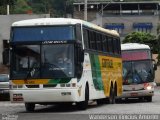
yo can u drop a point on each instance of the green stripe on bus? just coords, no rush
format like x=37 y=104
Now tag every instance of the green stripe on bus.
x=96 y=72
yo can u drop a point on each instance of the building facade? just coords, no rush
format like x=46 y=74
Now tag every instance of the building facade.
x=123 y=16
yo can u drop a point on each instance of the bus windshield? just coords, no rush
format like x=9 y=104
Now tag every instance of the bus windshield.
x=42 y=61
x=43 y=33
x=137 y=72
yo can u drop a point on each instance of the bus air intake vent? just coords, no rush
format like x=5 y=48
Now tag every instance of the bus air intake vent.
x=32 y=86
x=47 y=86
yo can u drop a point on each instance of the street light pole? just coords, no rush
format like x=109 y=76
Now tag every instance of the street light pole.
x=85 y=10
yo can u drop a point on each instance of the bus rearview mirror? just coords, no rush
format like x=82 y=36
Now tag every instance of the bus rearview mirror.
x=154 y=65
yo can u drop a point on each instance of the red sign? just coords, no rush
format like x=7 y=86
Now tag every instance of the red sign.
x=135 y=55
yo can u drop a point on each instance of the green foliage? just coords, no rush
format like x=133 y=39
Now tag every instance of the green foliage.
x=62 y=7
x=56 y=8
x=21 y=7
x=144 y=38
x=158 y=32
x=3 y=6
x=40 y=6
x=139 y=37
x=6 y=2
x=158 y=58
x=3 y=10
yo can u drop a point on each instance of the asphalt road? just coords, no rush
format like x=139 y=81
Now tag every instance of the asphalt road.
x=131 y=108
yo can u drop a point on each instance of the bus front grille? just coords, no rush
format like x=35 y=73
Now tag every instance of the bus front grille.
x=47 y=86
x=32 y=86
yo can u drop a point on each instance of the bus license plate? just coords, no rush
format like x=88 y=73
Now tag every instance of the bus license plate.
x=134 y=94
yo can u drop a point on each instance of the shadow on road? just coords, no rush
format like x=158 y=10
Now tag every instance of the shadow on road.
x=131 y=100
x=68 y=107
x=57 y=108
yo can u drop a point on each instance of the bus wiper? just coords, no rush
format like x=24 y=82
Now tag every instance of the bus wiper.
x=31 y=71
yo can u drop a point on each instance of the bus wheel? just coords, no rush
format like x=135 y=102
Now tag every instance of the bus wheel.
x=118 y=100
x=100 y=101
x=83 y=105
x=140 y=98
x=29 y=107
x=148 y=98
x=112 y=96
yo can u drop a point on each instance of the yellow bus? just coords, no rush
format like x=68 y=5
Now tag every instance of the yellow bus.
x=90 y=67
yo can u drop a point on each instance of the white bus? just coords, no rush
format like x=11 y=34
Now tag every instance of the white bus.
x=39 y=76
x=138 y=71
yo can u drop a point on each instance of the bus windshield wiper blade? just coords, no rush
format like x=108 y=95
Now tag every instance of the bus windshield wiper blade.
x=31 y=71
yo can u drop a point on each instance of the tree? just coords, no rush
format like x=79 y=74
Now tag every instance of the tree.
x=41 y=6
x=139 y=37
x=144 y=38
x=62 y=7
x=21 y=7
x=158 y=39
x=3 y=6
x=56 y=8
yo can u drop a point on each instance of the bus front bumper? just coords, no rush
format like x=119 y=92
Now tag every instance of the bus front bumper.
x=134 y=94
x=42 y=95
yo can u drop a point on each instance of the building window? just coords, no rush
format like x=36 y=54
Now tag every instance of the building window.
x=115 y=26
x=143 y=27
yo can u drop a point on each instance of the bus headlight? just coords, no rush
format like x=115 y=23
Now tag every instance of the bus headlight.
x=149 y=87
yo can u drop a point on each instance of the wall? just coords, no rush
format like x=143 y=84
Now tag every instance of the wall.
x=5 y=23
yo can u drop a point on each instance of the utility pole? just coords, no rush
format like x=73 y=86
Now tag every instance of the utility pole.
x=8 y=10
x=101 y=12
x=85 y=10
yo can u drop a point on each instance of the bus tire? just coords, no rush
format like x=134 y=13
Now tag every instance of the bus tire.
x=100 y=101
x=118 y=100
x=29 y=107
x=112 y=96
x=84 y=104
x=140 y=98
x=148 y=98
x=111 y=99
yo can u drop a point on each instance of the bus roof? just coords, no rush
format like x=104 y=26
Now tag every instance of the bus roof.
x=61 y=21
x=133 y=46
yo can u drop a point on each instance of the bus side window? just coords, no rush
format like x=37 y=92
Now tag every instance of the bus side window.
x=110 y=45
x=92 y=41
x=85 y=38
x=115 y=45
x=119 y=46
x=99 y=41
x=107 y=43
x=104 y=43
